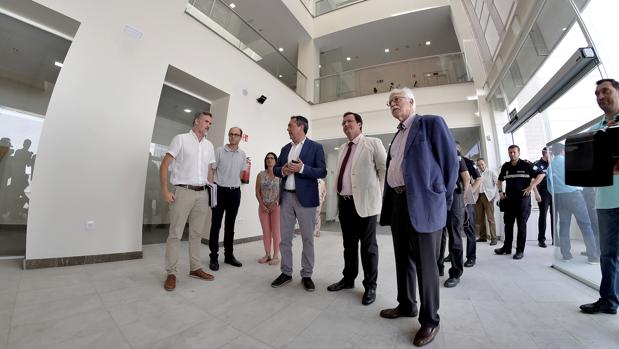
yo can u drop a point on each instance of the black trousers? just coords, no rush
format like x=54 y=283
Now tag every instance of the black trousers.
x=544 y=205
x=228 y=201
x=357 y=229
x=518 y=211
x=415 y=257
x=469 y=231
x=453 y=231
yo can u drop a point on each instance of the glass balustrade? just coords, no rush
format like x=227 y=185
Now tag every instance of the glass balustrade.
x=221 y=19
x=320 y=7
x=418 y=72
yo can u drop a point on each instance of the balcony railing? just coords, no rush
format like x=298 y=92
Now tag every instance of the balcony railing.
x=221 y=19
x=320 y=7
x=418 y=72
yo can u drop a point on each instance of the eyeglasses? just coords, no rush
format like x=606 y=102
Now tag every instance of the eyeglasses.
x=396 y=100
x=234 y=134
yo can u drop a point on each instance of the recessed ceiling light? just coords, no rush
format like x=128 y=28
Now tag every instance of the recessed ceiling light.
x=281 y=49
x=386 y=50
x=187 y=110
x=471 y=98
x=232 y=5
x=428 y=43
x=348 y=58
x=58 y=64
x=336 y=148
x=319 y=66
x=564 y=29
x=280 y=76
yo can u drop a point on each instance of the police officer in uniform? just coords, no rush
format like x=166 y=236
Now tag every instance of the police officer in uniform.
x=544 y=200
x=521 y=177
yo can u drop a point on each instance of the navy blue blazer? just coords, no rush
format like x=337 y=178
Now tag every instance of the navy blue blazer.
x=306 y=183
x=430 y=169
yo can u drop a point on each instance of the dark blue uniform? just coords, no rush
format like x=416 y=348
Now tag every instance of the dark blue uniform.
x=544 y=205
x=517 y=205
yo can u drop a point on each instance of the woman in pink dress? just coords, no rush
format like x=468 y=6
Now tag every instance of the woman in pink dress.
x=267 y=193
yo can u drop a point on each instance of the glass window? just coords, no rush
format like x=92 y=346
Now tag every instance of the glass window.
x=30 y=66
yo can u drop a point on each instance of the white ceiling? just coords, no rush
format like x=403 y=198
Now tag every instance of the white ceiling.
x=405 y=36
x=28 y=53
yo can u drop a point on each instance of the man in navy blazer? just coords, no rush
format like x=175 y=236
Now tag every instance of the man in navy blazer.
x=422 y=168
x=299 y=165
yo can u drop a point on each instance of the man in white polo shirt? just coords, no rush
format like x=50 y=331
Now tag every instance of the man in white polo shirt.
x=191 y=156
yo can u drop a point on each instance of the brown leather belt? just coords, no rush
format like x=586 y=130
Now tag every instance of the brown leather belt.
x=192 y=187
x=400 y=189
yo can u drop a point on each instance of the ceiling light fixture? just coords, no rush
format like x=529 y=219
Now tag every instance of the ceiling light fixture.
x=428 y=43
x=58 y=64
x=471 y=98
x=348 y=58
x=564 y=29
x=232 y=5
x=187 y=110
x=281 y=49
x=280 y=76
x=319 y=66
x=386 y=50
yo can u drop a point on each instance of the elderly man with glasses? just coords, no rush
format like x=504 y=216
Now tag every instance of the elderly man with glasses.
x=422 y=168
x=229 y=162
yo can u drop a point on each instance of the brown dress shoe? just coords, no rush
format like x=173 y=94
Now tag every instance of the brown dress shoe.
x=170 y=283
x=425 y=335
x=395 y=313
x=200 y=274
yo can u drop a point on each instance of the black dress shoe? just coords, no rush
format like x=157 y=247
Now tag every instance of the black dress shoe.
x=600 y=306
x=233 y=261
x=425 y=335
x=340 y=285
x=500 y=251
x=541 y=244
x=369 y=296
x=308 y=284
x=441 y=272
x=213 y=265
x=518 y=255
x=452 y=282
x=481 y=240
x=394 y=313
x=469 y=262
x=281 y=280
x=447 y=259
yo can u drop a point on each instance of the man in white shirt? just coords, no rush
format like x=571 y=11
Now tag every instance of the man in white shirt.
x=485 y=202
x=191 y=156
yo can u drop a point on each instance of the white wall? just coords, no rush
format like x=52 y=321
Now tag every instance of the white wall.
x=94 y=145
x=448 y=101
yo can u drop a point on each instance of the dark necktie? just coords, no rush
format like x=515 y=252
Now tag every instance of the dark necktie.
x=343 y=167
x=401 y=126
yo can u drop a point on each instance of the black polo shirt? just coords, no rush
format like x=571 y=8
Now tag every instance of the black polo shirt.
x=542 y=164
x=518 y=177
x=470 y=166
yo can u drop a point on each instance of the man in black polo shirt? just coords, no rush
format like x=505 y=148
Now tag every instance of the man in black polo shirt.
x=521 y=177
x=544 y=200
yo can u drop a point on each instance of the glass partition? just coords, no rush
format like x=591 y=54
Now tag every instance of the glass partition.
x=320 y=7
x=221 y=19
x=30 y=66
x=418 y=72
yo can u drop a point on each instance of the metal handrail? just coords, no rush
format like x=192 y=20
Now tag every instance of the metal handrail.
x=390 y=63
x=335 y=9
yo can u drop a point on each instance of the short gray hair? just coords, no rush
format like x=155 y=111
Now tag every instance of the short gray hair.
x=405 y=91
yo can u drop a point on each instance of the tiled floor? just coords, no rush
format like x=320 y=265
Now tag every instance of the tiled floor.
x=500 y=303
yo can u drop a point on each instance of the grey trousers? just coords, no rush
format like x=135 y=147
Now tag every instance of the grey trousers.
x=291 y=211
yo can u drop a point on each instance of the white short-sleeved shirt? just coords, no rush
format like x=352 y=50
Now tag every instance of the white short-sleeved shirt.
x=192 y=159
